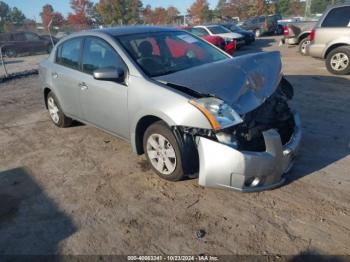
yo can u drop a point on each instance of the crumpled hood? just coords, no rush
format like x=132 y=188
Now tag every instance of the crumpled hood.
x=243 y=82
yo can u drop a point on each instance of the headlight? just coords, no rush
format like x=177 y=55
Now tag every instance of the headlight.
x=219 y=114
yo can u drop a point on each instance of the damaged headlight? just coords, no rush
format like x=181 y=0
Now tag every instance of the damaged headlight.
x=219 y=114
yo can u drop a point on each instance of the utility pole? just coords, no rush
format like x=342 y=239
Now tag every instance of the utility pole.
x=308 y=8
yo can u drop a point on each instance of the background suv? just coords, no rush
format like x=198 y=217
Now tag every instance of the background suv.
x=330 y=39
x=262 y=24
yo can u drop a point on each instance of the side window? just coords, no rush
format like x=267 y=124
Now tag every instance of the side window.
x=68 y=53
x=32 y=37
x=337 y=17
x=19 y=37
x=261 y=19
x=199 y=31
x=99 y=54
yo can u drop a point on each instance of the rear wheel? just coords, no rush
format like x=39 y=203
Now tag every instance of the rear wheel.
x=163 y=151
x=338 y=61
x=303 y=46
x=56 y=114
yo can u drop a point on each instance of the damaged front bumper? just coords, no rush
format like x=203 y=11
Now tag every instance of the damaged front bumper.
x=222 y=166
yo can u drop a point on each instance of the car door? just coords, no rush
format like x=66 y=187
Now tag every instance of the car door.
x=335 y=26
x=19 y=43
x=104 y=103
x=35 y=44
x=66 y=76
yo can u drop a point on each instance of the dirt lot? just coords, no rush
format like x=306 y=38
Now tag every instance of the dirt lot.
x=81 y=191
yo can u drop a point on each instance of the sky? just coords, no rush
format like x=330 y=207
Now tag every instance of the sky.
x=32 y=8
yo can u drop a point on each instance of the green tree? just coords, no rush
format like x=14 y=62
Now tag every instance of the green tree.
x=4 y=14
x=16 y=16
x=120 y=11
x=319 y=6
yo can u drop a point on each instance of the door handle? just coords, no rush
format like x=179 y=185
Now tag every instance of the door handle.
x=83 y=86
x=54 y=75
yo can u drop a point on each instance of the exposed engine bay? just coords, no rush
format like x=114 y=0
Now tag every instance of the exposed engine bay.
x=274 y=113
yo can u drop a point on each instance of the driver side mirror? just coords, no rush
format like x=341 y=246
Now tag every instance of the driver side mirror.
x=110 y=74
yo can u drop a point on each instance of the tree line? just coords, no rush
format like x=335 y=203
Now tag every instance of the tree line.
x=85 y=13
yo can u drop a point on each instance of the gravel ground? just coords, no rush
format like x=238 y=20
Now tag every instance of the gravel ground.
x=82 y=191
x=21 y=64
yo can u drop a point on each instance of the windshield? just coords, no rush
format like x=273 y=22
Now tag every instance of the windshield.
x=218 y=30
x=169 y=52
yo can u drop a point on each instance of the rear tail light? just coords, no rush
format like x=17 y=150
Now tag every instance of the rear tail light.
x=286 y=31
x=312 y=35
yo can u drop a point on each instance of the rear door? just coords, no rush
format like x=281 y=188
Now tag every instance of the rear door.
x=335 y=25
x=66 y=76
x=104 y=103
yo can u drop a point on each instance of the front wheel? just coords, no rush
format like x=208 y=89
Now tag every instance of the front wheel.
x=338 y=61
x=303 y=46
x=163 y=152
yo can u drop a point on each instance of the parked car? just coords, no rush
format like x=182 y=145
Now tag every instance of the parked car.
x=218 y=30
x=228 y=47
x=298 y=33
x=330 y=39
x=262 y=25
x=48 y=37
x=23 y=42
x=189 y=111
x=249 y=36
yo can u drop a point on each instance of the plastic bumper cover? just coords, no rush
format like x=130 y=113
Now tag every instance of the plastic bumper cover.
x=222 y=166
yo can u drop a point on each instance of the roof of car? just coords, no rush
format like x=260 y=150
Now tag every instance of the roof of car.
x=126 y=30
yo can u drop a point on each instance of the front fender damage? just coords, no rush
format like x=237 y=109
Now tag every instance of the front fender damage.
x=253 y=155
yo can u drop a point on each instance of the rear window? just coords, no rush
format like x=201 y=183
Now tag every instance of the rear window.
x=68 y=53
x=337 y=17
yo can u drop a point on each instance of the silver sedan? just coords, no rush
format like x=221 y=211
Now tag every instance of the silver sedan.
x=185 y=104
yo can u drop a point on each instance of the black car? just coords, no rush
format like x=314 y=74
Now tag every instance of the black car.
x=16 y=43
x=249 y=36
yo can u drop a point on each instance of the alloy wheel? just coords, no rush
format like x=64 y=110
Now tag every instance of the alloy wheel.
x=53 y=110
x=339 y=61
x=161 y=154
x=304 y=46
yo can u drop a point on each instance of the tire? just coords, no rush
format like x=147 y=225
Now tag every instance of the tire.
x=303 y=46
x=257 y=33
x=161 y=146
x=340 y=55
x=10 y=52
x=55 y=111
